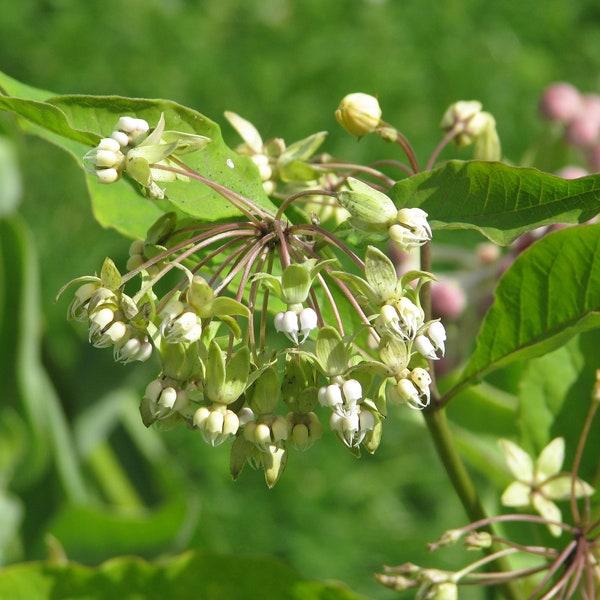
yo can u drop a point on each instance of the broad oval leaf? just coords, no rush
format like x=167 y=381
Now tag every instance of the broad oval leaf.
x=500 y=201
x=549 y=294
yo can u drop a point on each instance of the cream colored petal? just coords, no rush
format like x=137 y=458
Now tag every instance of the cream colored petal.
x=550 y=460
x=549 y=511
x=516 y=494
x=559 y=488
x=518 y=461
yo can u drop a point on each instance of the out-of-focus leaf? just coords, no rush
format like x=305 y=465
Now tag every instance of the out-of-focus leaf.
x=10 y=178
x=191 y=575
x=501 y=202
x=549 y=294
x=37 y=400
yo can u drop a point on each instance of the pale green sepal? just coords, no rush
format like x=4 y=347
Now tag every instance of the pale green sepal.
x=75 y=282
x=236 y=377
x=146 y=412
x=394 y=353
x=373 y=437
x=246 y=130
x=215 y=372
x=271 y=282
x=381 y=274
x=516 y=494
x=274 y=463
x=223 y=305
x=241 y=449
x=185 y=142
x=180 y=361
x=109 y=275
x=232 y=325
x=151 y=154
x=550 y=460
x=264 y=394
x=331 y=352
x=303 y=149
x=363 y=292
x=371 y=210
x=295 y=284
x=518 y=461
x=296 y=391
x=138 y=169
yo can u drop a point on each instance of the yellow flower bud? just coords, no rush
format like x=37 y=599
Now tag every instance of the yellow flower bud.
x=359 y=114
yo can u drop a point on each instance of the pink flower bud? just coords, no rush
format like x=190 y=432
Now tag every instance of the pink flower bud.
x=560 y=102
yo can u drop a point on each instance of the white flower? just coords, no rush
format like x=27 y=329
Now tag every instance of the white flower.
x=352 y=426
x=292 y=322
x=412 y=229
x=217 y=424
x=537 y=485
x=437 y=334
x=179 y=323
x=424 y=347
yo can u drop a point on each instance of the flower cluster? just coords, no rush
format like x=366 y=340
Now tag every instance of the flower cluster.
x=275 y=319
x=575 y=117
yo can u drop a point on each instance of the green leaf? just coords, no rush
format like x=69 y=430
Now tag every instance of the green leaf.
x=77 y=122
x=190 y=575
x=550 y=293
x=554 y=398
x=501 y=202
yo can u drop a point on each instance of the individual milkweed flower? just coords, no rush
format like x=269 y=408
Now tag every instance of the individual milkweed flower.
x=216 y=423
x=78 y=309
x=133 y=347
x=292 y=323
x=162 y=400
x=412 y=229
x=436 y=332
x=359 y=114
x=179 y=323
x=424 y=347
x=353 y=425
x=539 y=484
x=414 y=388
x=106 y=160
x=341 y=397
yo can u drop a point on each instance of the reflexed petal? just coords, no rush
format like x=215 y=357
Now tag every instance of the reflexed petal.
x=518 y=461
x=549 y=511
x=550 y=460
x=516 y=494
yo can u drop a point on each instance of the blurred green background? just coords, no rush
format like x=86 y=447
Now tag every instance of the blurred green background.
x=283 y=65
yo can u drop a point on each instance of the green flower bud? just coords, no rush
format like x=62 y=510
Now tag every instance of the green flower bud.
x=359 y=114
x=370 y=209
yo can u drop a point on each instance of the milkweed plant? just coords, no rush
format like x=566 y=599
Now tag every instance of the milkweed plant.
x=285 y=294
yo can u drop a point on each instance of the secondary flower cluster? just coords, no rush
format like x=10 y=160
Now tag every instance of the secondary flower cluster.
x=290 y=321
